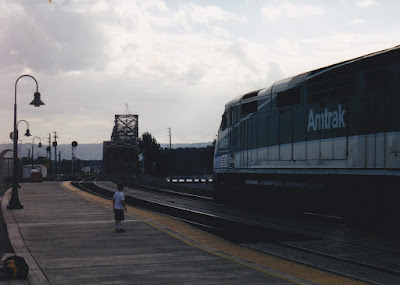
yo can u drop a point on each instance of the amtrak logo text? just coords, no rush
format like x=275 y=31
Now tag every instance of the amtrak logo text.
x=326 y=120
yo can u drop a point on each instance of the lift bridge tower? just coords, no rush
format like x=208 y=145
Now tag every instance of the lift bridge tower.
x=120 y=154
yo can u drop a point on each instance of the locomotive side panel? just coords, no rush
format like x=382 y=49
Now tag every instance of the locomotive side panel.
x=273 y=136
x=313 y=137
x=337 y=127
x=393 y=151
x=340 y=117
x=393 y=127
x=285 y=135
x=299 y=134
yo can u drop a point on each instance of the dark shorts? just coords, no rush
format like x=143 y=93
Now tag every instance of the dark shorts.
x=119 y=215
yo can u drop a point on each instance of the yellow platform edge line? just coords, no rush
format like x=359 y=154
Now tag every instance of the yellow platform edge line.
x=274 y=266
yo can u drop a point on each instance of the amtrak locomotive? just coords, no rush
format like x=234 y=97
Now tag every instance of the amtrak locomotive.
x=333 y=130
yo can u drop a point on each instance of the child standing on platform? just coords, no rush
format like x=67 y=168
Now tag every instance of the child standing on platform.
x=119 y=207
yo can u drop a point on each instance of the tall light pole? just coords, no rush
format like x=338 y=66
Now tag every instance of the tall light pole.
x=169 y=138
x=14 y=201
x=40 y=145
x=74 y=145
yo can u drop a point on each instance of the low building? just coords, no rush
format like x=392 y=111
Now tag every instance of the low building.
x=27 y=170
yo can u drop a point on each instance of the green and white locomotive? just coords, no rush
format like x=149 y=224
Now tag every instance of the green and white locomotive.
x=336 y=129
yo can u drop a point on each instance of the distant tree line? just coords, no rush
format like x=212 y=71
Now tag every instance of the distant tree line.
x=174 y=162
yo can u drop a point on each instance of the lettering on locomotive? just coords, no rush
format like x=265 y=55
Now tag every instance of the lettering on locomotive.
x=326 y=120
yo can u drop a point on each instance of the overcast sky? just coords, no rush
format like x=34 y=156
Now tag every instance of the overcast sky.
x=174 y=63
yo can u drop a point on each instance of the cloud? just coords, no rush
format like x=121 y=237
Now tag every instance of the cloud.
x=208 y=14
x=333 y=48
x=59 y=40
x=357 y=22
x=291 y=10
x=366 y=3
x=191 y=16
x=221 y=32
x=154 y=4
x=89 y=8
x=118 y=37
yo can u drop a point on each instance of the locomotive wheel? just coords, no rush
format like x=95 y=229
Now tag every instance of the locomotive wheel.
x=219 y=186
x=234 y=190
x=363 y=202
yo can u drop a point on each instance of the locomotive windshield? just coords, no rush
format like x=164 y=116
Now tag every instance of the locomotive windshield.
x=223 y=122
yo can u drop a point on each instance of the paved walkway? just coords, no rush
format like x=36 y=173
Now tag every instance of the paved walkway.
x=67 y=237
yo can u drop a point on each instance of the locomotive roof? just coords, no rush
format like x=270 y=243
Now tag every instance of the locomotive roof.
x=291 y=82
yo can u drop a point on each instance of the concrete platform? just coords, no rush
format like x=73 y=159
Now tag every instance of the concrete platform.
x=68 y=236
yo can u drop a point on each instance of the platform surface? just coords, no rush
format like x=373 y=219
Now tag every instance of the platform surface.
x=68 y=236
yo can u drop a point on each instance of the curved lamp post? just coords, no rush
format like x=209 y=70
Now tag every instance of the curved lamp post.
x=40 y=145
x=28 y=132
x=14 y=201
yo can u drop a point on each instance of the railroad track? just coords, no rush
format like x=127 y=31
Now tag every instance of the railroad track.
x=229 y=227
x=252 y=232
x=177 y=190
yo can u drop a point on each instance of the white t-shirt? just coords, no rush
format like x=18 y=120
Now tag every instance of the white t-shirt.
x=118 y=198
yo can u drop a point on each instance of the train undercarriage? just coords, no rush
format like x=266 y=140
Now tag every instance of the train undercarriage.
x=358 y=199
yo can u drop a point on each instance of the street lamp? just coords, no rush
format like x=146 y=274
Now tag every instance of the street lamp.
x=27 y=133
x=14 y=201
x=74 y=145
x=40 y=145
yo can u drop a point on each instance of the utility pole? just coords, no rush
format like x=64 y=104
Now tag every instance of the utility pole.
x=48 y=151
x=55 y=151
x=169 y=160
x=59 y=161
x=169 y=129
